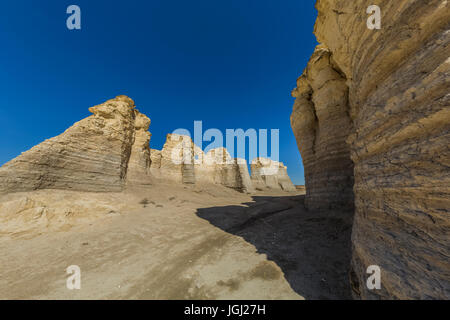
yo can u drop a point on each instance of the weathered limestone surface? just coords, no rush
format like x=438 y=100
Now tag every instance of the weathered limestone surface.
x=398 y=104
x=267 y=173
x=229 y=172
x=322 y=124
x=94 y=154
x=184 y=162
x=140 y=157
x=155 y=163
x=244 y=177
x=177 y=159
x=109 y=151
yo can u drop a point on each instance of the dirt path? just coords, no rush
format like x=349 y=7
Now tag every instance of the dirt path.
x=195 y=246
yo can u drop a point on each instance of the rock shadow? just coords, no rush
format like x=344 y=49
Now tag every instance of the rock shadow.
x=313 y=248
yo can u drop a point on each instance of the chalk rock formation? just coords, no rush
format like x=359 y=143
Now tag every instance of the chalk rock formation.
x=98 y=154
x=322 y=124
x=184 y=162
x=392 y=84
x=155 y=163
x=243 y=177
x=267 y=173
x=229 y=172
x=140 y=158
x=177 y=159
x=109 y=151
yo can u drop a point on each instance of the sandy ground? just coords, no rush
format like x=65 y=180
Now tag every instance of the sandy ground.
x=181 y=243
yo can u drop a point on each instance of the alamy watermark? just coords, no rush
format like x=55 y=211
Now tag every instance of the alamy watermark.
x=74 y=280
x=374 y=281
x=73 y=22
x=374 y=20
x=236 y=142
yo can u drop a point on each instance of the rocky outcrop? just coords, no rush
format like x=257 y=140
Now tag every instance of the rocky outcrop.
x=109 y=151
x=322 y=124
x=97 y=154
x=384 y=92
x=138 y=172
x=232 y=173
x=155 y=163
x=267 y=173
x=182 y=161
x=176 y=160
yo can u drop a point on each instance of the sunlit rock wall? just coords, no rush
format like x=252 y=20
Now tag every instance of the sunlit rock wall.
x=399 y=106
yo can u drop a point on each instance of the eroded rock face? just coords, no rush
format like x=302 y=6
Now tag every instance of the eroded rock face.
x=95 y=154
x=398 y=104
x=184 y=162
x=321 y=123
x=140 y=158
x=177 y=159
x=109 y=151
x=267 y=173
x=232 y=173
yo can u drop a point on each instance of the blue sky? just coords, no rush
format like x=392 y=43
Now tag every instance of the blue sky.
x=229 y=63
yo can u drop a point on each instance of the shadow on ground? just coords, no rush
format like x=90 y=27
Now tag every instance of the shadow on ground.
x=311 y=247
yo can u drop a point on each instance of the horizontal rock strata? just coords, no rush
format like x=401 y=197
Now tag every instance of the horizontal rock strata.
x=267 y=173
x=182 y=161
x=110 y=151
x=321 y=123
x=399 y=106
x=92 y=155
